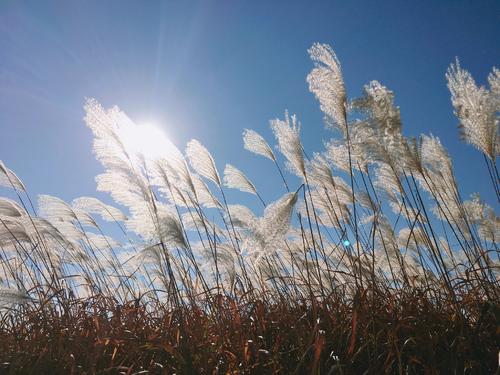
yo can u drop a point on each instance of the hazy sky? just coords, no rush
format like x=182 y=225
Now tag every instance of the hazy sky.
x=209 y=69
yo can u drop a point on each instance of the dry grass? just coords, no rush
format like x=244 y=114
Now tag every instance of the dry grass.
x=379 y=332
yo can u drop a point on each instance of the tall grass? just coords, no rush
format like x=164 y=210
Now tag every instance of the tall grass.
x=370 y=262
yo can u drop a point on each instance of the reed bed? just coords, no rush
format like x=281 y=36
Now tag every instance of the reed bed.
x=370 y=262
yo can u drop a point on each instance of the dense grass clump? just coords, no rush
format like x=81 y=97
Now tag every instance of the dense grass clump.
x=369 y=262
x=376 y=332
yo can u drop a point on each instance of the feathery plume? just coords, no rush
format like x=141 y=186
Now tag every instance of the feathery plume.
x=10 y=296
x=436 y=160
x=489 y=226
x=378 y=136
x=476 y=109
x=56 y=210
x=203 y=194
x=95 y=206
x=242 y=216
x=13 y=231
x=236 y=179
x=10 y=208
x=378 y=103
x=287 y=134
x=9 y=178
x=171 y=231
x=100 y=241
x=319 y=171
x=201 y=161
x=193 y=222
x=125 y=176
x=494 y=82
x=255 y=143
x=326 y=83
x=269 y=230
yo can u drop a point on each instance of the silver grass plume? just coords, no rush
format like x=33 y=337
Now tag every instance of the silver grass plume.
x=172 y=170
x=225 y=253
x=105 y=125
x=440 y=182
x=181 y=199
x=338 y=154
x=203 y=194
x=329 y=211
x=173 y=180
x=379 y=134
x=147 y=224
x=287 y=133
x=412 y=241
x=95 y=206
x=11 y=296
x=494 y=82
x=319 y=172
x=242 y=216
x=474 y=207
x=201 y=161
x=131 y=190
x=193 y=222
x=326 y=83
x=10 y=208
x=255 y=143
x=100 y=241
x=124 y=177
x=387 y=181
x=378 y=103
x=56 y=210
x=33 y=227
x=226 y=257
x=270 y=229
x=12 y=232
x=389 y=254
x=236 y=179
x=320 y=175
x=171 y=231
x=437 y=166
x=9 y=178
x=476 y=108
x=484 y=216
x=489 y=226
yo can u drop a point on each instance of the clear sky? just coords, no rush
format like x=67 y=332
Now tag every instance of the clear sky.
x=209 y=69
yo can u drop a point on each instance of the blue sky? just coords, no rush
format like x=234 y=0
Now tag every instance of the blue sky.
x=209 y=69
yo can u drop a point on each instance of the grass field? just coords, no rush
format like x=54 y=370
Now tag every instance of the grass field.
x=370 y=262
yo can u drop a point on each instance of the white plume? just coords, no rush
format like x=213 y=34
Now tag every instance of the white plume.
x=9 y=178
x=476 y=109
x=95 y=206
x=57 y=210
x=201 y=161
x=269 y=230
x=287 y=134
x=10 y=208
x=236 y=179
x=255 y=143
x=171 y=231
x=242 y=216
x=327 y=84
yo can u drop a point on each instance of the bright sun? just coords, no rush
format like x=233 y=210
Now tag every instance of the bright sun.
x=146 y=139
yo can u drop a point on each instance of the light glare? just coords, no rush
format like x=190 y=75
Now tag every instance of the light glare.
x=146 y=139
